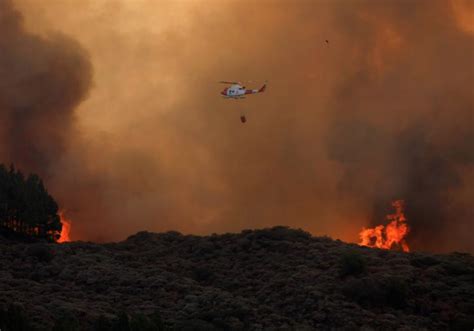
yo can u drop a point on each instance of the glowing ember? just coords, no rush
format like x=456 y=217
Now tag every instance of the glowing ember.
x=66 y=228
x=388 y=236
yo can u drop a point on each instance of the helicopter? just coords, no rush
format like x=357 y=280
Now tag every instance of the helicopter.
x=237 y=90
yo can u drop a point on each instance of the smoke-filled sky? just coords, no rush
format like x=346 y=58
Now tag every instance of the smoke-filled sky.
x=116 y=104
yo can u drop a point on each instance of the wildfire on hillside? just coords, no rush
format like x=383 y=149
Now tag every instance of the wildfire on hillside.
x=389 y=236
x=66 y=229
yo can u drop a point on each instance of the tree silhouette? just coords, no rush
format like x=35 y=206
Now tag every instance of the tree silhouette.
x=26 y=206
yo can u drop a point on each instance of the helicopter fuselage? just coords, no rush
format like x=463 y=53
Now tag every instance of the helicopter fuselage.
x=237 y=91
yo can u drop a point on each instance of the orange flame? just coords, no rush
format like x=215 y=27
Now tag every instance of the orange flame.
x=66 y=229
x=387 y=236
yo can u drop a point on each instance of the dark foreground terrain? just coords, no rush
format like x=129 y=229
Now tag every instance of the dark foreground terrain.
x=272 y=279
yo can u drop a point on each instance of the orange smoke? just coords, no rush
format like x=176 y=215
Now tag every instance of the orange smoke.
x=66 y=229
x=390 y=236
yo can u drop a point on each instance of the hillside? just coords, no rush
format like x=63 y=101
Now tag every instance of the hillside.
x=271 y=279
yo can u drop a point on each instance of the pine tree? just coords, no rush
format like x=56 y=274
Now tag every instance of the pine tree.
x=26 y=207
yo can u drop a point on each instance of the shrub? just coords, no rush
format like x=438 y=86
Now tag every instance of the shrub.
x=41 y=251
x=365 y=291
x=282 y=233
x=202 y=274
x=157 y=320
x=102 y=324
x=391 y=291
x=14 y=319
x=140 y=322
x=121 y=323
x=424 y=261
x=463 y=323
x=352 y=263
x=194 y=325
x=137 y=322
x=66 y=323
x=396 y=292
x=457 y=268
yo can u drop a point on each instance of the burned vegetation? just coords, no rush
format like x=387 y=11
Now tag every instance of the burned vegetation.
x=270 y=279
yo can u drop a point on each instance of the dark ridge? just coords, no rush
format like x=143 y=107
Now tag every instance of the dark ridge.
x=269 y=279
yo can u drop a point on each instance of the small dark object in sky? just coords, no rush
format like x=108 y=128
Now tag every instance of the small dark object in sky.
x=243 y=119
x=327 y=41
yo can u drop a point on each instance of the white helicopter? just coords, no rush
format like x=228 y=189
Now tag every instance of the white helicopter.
x=237 y=91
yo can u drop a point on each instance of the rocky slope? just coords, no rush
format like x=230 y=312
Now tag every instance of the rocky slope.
x=271 y=279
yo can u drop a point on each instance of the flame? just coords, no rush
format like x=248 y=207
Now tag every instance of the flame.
x=387 y=236
x=66 y=229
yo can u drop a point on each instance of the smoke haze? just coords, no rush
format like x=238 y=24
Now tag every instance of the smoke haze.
x=43 y=80
x=382 y=111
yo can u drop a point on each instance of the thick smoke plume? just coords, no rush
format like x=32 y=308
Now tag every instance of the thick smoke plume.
x=402 y=123
x=42 y=81
x=381 y=111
